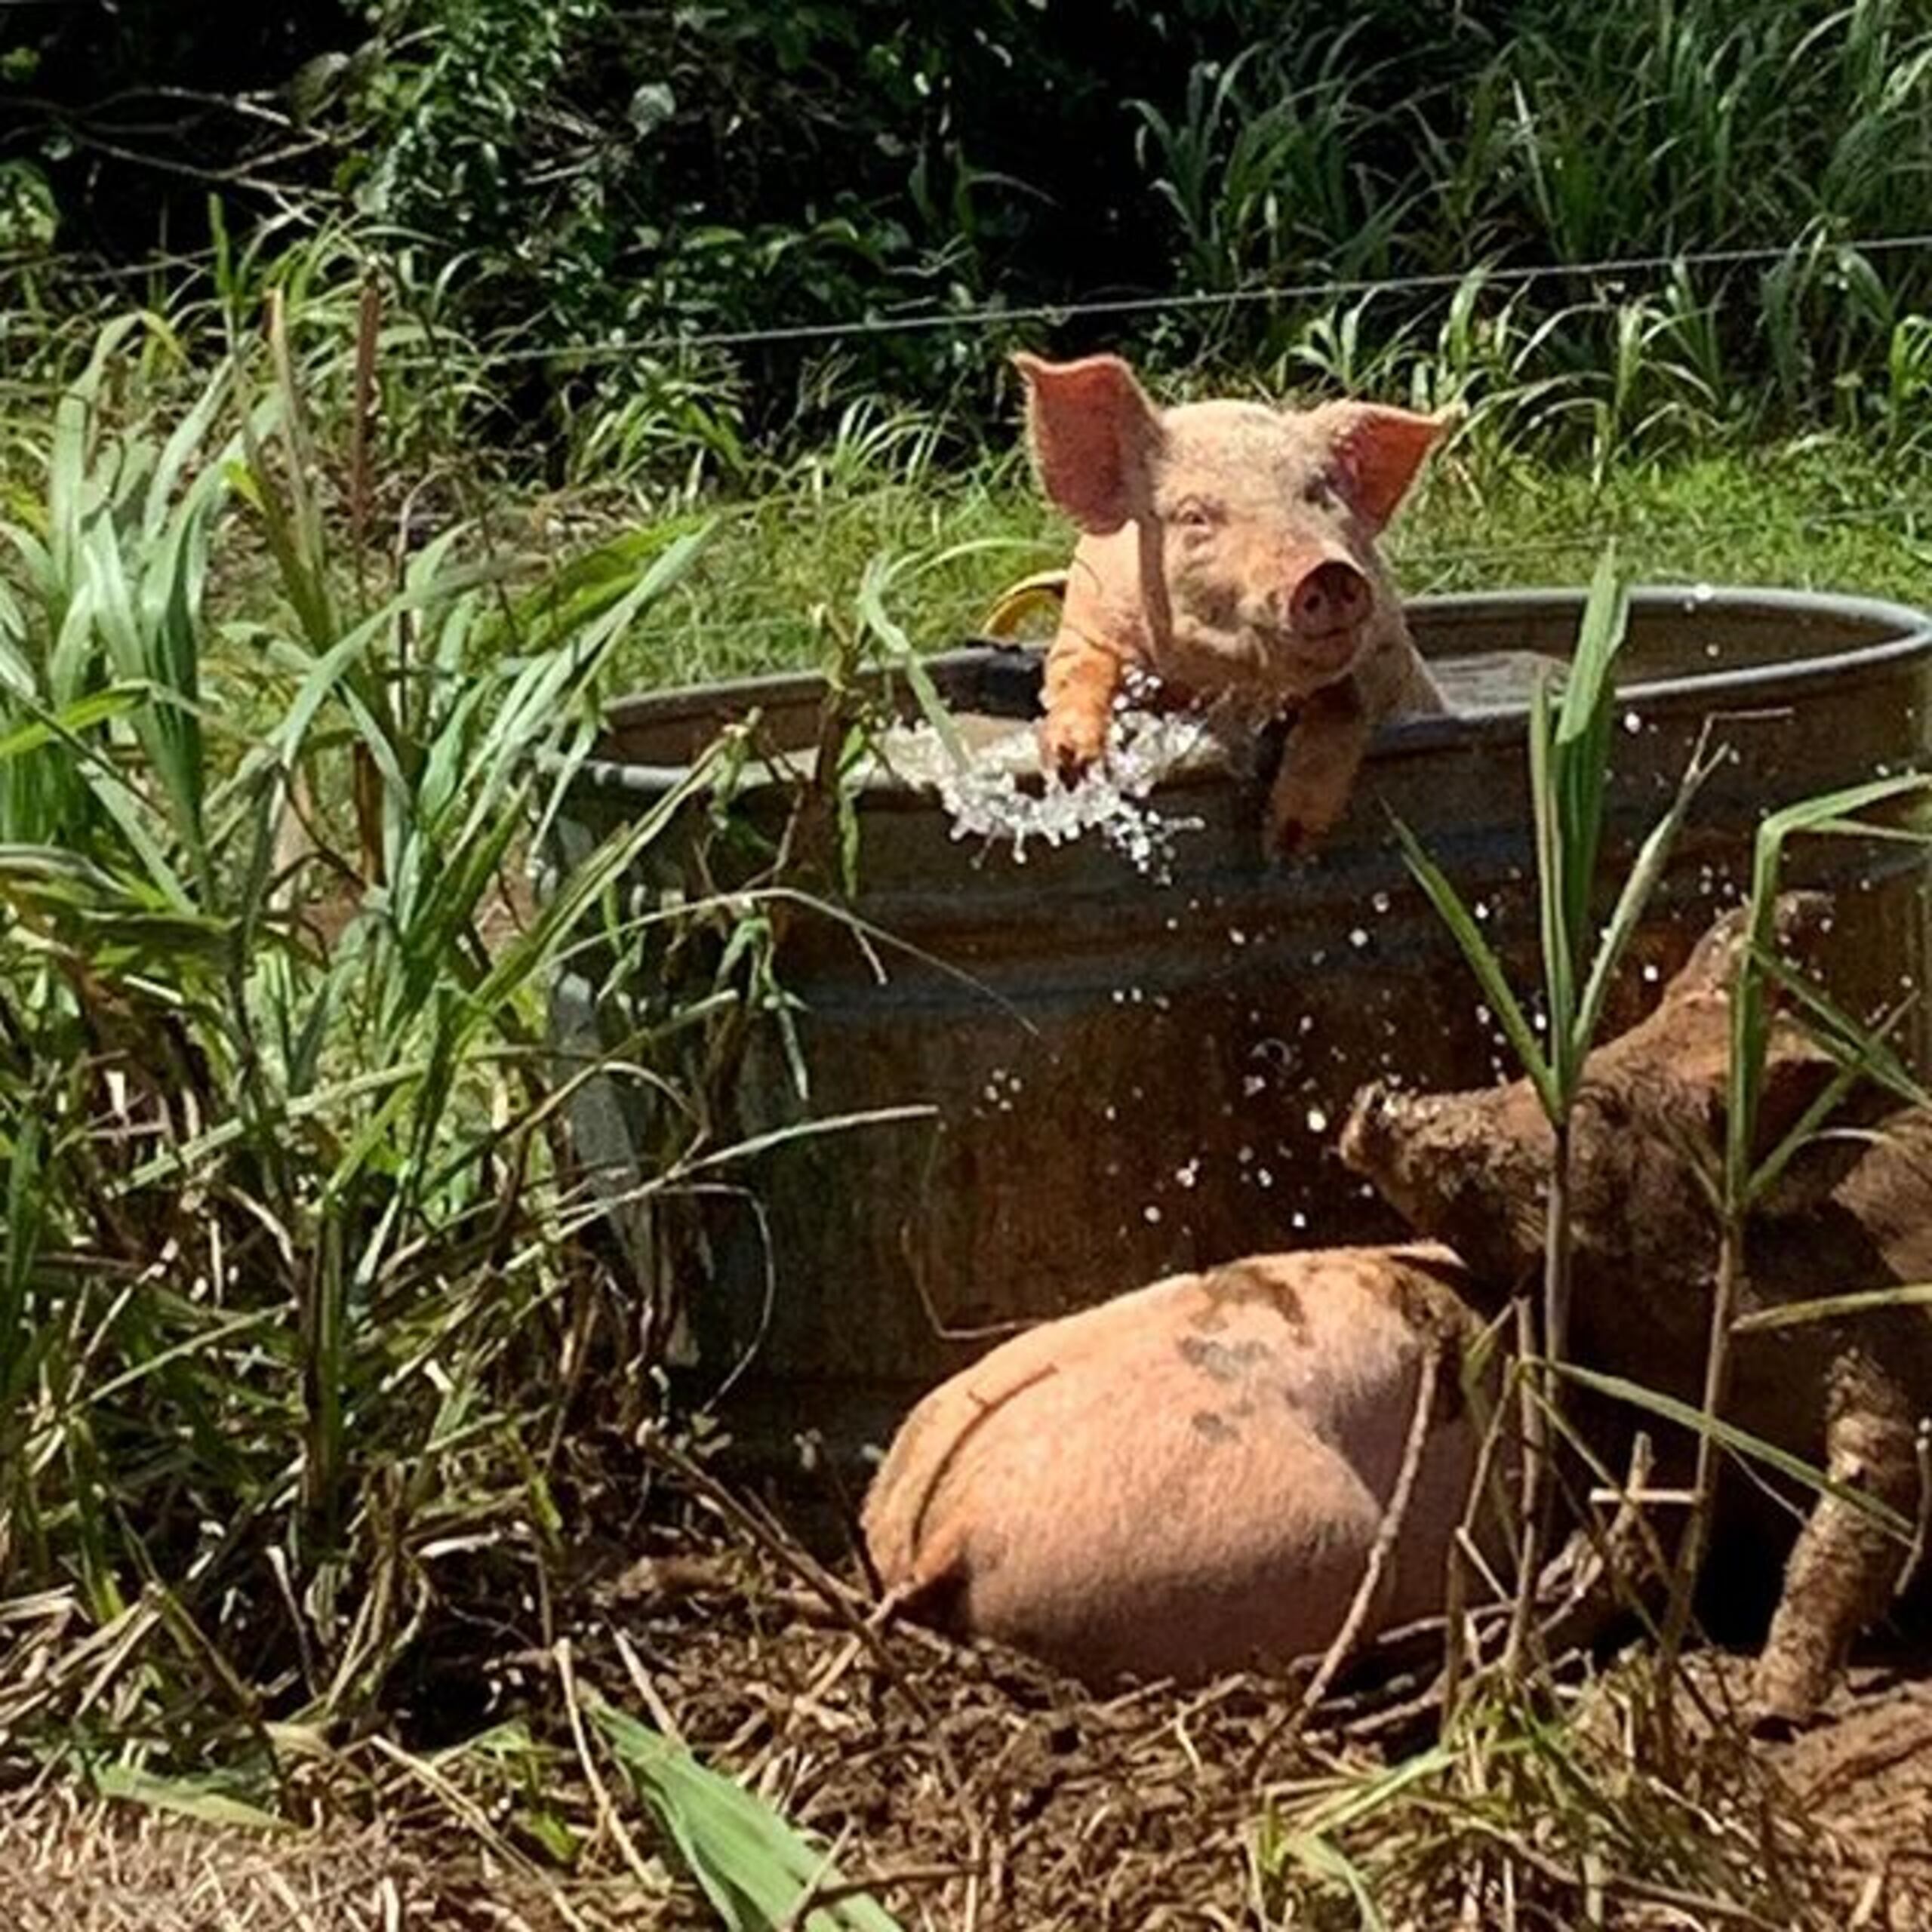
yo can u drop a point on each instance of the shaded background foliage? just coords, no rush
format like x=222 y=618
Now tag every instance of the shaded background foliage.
x=572 y=172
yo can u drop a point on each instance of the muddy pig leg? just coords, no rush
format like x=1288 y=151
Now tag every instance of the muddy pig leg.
x=1319 y=762
x=1845 y=1565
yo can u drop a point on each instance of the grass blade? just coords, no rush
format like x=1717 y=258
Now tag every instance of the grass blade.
x=1482 y=962
x=1739 y=1442
x=1833 y=1308
x=754 y=1868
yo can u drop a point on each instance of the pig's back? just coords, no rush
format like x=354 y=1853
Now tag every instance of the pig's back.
x=1190 y=1477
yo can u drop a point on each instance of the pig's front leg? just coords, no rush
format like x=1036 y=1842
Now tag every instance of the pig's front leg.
x=1082 y=680
x=1319 y=762
x=1845 y=1565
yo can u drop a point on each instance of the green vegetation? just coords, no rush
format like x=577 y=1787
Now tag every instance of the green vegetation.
x=554 y=177
x=359 y=441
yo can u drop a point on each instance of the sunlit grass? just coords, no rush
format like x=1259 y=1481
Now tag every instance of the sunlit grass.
x=1824 y=516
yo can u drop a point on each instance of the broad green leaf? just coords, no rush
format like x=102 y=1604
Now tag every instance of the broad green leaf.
x=202 y=1800
x=754 y=1868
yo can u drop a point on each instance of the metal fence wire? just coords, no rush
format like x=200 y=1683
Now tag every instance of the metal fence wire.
x=993 y=315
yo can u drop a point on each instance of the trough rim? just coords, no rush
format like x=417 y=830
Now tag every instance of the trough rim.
x=1909 y=636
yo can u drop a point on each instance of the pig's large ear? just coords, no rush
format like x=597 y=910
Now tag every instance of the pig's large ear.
x=1093 y=430
x=1376 y=452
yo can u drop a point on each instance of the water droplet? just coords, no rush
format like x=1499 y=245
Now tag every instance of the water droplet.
x=1357 y=938
x=1236 y=936
x=1298 y=1220
x=1318 y=1121
x=1380 y=902
x=1650 y=974
x=1188 y=1175
x=1150 y=1214
x=1633 y=723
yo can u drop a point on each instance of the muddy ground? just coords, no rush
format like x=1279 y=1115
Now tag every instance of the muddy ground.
x=972 y=1791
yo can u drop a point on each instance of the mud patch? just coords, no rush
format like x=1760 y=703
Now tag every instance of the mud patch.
x=1212 y=1428
x=970 y=1788
x=1222 y=1362
x=1866 y=1770
x=1237 y=1285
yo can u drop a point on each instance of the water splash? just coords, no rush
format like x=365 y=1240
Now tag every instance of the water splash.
x=996 y=792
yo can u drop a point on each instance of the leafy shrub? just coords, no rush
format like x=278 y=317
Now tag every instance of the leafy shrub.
x=675 y=228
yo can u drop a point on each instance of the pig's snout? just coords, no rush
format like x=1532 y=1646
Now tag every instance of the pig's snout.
x=1396 y=1140
x=1331 y=600
x=1369 y=1134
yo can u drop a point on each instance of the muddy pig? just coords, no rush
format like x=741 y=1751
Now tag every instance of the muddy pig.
x=1852 y=1212
x=1228 y=550
x=1189 y=1479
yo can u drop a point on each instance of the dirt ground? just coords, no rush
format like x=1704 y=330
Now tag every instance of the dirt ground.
x=972 y=1791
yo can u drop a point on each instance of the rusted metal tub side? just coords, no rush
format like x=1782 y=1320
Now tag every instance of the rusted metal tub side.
x=1131 y=1078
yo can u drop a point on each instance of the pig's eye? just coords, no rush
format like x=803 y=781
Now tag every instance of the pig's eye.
x=1192 y=513
x=1317 y=490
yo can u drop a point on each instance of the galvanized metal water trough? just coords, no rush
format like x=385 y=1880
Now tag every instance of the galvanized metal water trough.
x=1129 y=1078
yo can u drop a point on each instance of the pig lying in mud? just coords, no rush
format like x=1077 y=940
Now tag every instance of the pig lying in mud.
x=1229 y=552
x=1854 y=1212
x=1190 y=1479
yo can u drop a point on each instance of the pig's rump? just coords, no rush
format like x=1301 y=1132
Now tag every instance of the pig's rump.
x=1189 y=1479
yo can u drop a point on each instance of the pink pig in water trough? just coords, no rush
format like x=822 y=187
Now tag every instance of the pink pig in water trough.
x=1229 y=551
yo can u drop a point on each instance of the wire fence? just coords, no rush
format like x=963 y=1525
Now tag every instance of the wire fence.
x=994 y=315
x=1332 y=289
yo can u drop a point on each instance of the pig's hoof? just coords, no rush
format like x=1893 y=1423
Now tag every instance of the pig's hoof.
x=1785 y=1699
x=1290 y=840
x=1069 y=752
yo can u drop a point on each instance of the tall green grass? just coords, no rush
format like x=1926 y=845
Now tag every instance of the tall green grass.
x=291 y=1311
